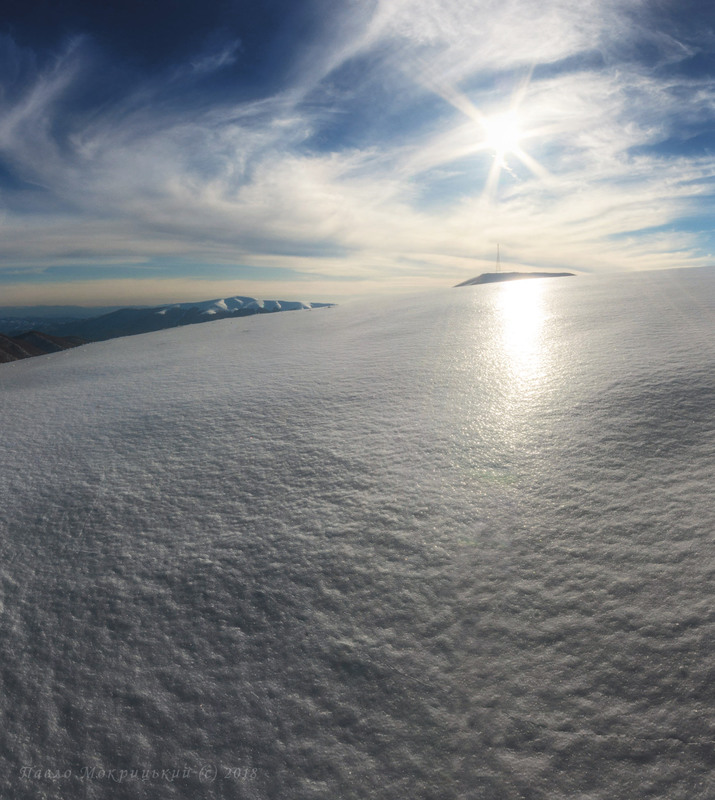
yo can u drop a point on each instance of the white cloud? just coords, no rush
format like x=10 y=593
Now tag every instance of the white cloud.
x=247 y=183
x=216 y=59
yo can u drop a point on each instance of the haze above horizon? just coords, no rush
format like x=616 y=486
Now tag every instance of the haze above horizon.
x=316 y=151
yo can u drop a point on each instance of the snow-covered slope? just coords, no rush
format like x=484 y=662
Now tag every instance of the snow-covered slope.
x=442 y=546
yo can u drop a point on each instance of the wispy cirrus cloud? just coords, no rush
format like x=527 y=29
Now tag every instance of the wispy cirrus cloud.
x=357 y=155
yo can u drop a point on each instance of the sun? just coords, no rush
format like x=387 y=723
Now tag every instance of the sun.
x=502 y=133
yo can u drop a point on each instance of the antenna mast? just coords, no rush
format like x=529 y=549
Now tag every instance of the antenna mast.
x=498 y=261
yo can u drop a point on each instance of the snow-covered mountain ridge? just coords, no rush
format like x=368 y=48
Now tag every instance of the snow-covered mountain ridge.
x=130 y=321
x=238 y=302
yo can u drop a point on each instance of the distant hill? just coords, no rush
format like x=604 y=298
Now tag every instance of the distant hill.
x=130 y=321
x=18 y=319
x=498 y=277
x=34 y=343
x=12 y=326
x=55 y=312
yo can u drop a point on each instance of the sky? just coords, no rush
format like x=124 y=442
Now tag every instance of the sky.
x=322 y=149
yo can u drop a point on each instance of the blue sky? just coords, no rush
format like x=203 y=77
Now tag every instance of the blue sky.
x=318 y=149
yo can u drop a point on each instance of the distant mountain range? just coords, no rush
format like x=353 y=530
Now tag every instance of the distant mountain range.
x=56 y=332
x=498 y=277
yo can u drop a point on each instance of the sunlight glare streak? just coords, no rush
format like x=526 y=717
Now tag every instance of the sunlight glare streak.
x=533 y=165
x=521 y=308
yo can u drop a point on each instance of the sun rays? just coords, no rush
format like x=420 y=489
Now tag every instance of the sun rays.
x=500 y=133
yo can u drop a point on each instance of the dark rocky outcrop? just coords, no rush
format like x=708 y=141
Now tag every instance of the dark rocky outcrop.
x=34 y=343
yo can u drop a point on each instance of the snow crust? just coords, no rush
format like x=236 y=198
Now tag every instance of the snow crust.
x=455 y=545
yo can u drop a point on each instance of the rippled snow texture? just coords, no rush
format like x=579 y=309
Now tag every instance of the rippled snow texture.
x=452 y=545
